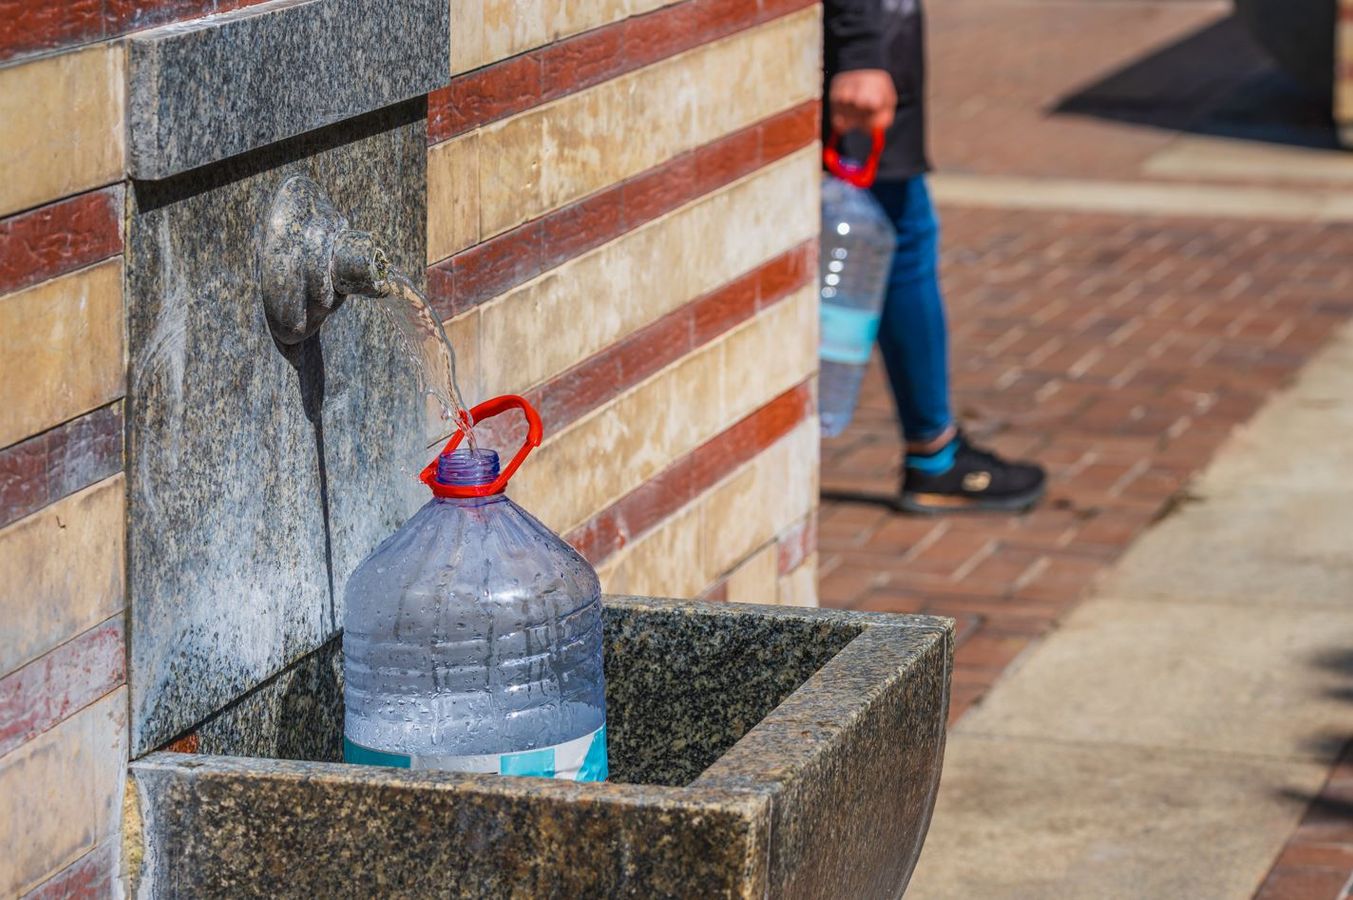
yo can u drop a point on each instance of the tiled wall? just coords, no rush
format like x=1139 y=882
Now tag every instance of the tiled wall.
x=622 y=224
x=63 y=704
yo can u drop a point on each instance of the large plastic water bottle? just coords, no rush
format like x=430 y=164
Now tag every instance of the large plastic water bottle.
x=856 y=251
x=472 y=636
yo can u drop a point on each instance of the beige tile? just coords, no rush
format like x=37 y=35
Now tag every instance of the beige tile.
x=762 y=499
x=568 y=17
x=453 y=196
x=664 y=563
x=799 y=588
x=610 y=132
x=61 y=126
x=586 y=143
x=734 y=523
x=509 y=171
x=472 y=45
x=755 y=580
x=468 y=50
x=62 y=571
x=513 y=26
x=463 y=333
x=60 y=350
x=689 y=551
x=601 y=457
x=60 y=793
x=1189 y=676
x=783 y=343
x=1032 y=820
x=537 y=330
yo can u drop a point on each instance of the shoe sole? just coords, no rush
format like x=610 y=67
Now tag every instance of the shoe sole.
x=939 y=504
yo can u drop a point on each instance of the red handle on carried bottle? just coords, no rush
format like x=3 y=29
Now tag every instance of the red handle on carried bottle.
x=861 y=175
x=487 y=410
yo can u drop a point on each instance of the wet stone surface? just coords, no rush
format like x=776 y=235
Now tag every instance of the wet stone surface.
x=257 y=481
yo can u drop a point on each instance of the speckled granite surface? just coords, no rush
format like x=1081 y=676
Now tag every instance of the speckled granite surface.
x=296 y=714
x=827 y=795
x=256 y=483
x=212 y=88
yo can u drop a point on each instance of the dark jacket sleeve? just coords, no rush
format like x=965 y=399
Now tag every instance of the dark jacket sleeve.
x=854 y=35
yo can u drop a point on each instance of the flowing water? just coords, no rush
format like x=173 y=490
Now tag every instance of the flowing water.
x=424 y=342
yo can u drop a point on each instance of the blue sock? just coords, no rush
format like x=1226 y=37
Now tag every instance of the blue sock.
x=937 y=463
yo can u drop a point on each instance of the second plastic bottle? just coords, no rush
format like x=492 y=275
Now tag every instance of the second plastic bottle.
x=472 y=636
x=856 y=252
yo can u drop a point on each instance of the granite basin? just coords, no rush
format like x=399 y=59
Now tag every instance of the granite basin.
x=755 y=751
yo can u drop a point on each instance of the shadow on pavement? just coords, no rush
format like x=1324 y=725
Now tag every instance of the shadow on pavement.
x=1217 y=82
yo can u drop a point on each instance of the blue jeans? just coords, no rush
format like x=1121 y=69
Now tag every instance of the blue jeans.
x=913 y=334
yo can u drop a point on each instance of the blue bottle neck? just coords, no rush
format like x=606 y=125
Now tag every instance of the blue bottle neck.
x=467 y=468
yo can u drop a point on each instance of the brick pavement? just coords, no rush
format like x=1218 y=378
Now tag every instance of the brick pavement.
x=1118 y=351
x=1318 y=861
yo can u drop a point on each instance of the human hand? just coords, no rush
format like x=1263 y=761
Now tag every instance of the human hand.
x=862 y=99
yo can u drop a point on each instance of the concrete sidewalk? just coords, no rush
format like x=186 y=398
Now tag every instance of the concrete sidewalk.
x=1166 y=739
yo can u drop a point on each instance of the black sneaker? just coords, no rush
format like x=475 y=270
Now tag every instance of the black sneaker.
x=963 y=478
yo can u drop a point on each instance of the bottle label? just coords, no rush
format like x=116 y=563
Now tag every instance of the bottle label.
x=847 y=334
x=581 y=759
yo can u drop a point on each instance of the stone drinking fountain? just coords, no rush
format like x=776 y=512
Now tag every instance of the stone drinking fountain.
x=272 y=440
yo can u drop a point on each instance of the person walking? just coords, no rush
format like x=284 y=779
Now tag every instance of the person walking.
x=875 y=79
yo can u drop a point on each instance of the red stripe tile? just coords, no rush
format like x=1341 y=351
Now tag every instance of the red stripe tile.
x=788 y=272
x=493 y=267
x=485 y=95
x=91 y=877
x=667 y=32
x=784 y=133
x=717 y=593
x=59 y=238
x=692 y=475
x=737 y=301
x=727 y=159
x=34 y=26
x=27 y=26
x=59 y=462
x=581 y=226
x=652 y=193
x=565 y=67
x=48 y=690
x=489 y=269
x=797 y=544
x=581 y=62
x=134 y=15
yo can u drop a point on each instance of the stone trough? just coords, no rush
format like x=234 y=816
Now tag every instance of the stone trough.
x=756 y=752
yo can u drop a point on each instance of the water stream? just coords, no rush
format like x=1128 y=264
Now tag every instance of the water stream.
x=423 y=341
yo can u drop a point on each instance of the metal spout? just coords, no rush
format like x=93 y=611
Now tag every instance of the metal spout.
x=310 y=261
x=358 y=265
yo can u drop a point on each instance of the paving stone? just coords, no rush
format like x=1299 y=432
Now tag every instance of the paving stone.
x=1019 y=818
x=1186 y=676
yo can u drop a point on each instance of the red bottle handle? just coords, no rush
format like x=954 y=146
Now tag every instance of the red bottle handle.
x=487 y=410
x=860 y=175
